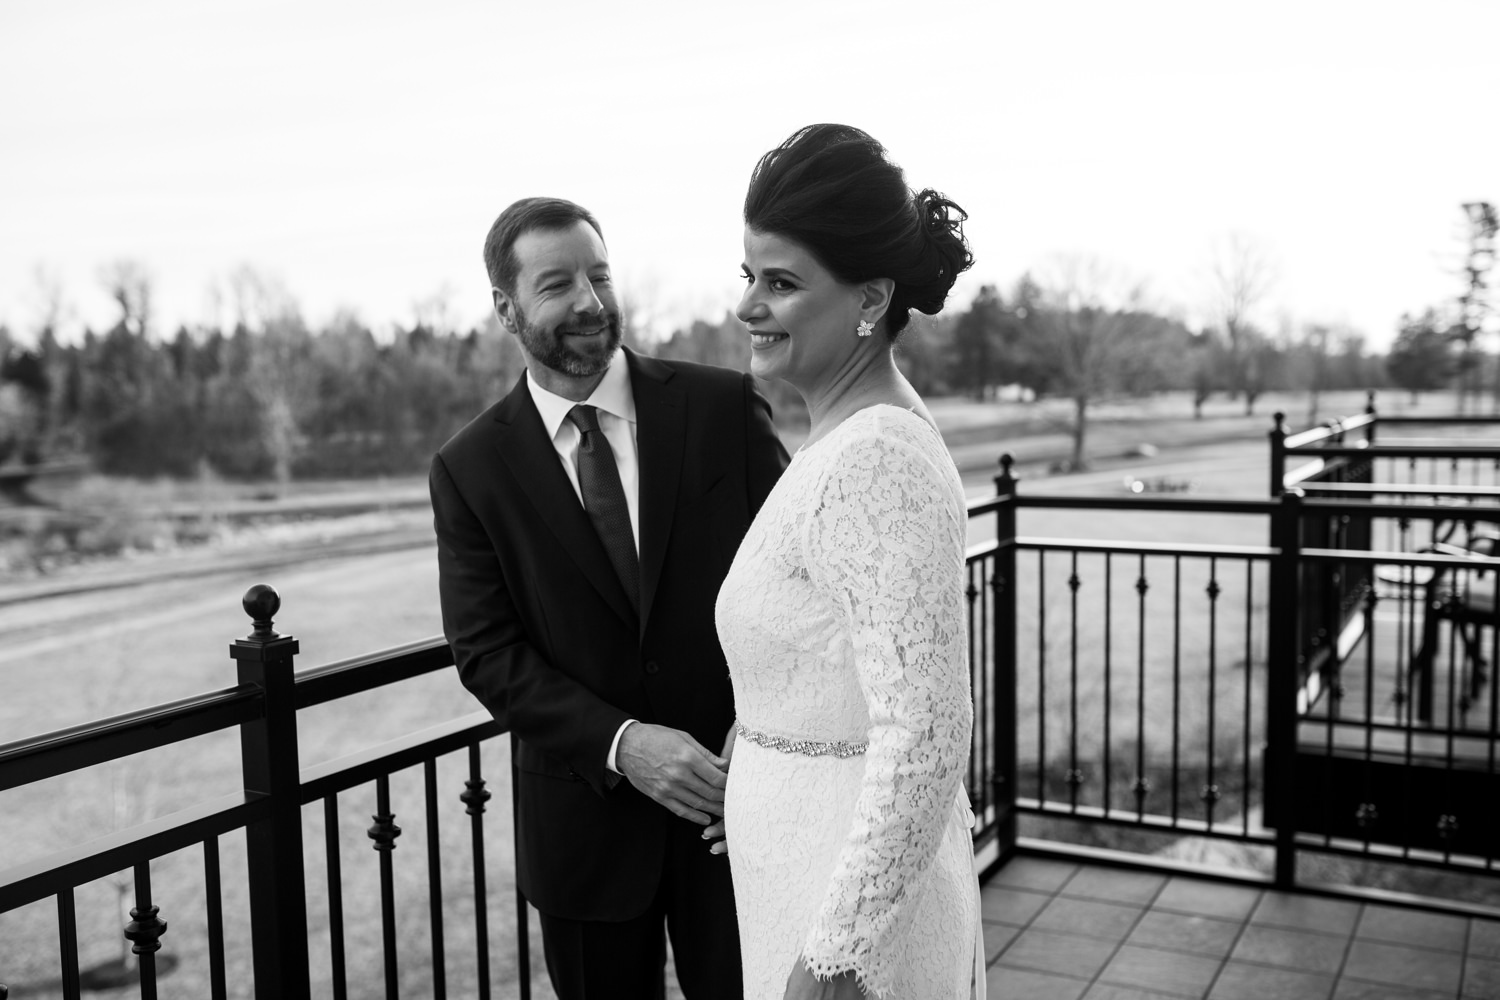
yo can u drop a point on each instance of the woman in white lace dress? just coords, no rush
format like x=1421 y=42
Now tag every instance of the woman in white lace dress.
x=843 y=617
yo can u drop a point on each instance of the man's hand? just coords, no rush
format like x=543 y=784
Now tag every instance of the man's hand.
x=674 y=769
x=714 y=832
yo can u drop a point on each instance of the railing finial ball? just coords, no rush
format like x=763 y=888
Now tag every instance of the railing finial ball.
x=261 y=602
x=1006 y=461
x=1280 y=419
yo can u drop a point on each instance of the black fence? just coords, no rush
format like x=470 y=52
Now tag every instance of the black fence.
x=1127 y=695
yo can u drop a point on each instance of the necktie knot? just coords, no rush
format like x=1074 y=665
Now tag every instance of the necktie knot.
x=585 y=418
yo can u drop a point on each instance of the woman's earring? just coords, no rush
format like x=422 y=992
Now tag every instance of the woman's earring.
x=864 y=329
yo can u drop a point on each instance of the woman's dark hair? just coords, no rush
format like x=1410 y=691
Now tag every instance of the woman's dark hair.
x=832 y=189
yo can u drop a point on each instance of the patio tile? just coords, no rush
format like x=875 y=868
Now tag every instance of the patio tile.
x=1109 y=991
x=1287 y=909
x=1256 y=982
x=1412 y=927
x=1356 y=989
x=996 y=937
x=1010 y=906
x=1185 y=932
x=1163 y=971
x=1034 y=873
x=1115 y=885
x=1209 y=899
x=1304 y=951
x=1049 y=951
x=1481 y=979
x=1017 y=984
x=1111 y=921
x=1398 y=965
x=1484 y=939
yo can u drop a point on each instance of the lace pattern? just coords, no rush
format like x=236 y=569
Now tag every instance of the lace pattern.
x=843 y=620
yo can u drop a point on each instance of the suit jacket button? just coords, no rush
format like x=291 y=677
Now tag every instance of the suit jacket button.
x=652 y=667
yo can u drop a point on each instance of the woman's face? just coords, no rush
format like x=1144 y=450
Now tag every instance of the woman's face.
x=801 y=318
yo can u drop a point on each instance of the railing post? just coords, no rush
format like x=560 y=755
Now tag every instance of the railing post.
x=1282 y=679
x=1374 y=417
x=268 y=752
x=1278 y=454
x=1004 y=645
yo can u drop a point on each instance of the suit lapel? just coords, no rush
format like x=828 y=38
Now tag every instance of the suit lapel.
x=661 y=430
x=526 y=450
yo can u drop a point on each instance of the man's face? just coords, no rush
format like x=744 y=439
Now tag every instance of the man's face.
x=564 y=310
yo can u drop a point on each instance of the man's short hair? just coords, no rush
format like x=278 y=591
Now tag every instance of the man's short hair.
x=522 y=217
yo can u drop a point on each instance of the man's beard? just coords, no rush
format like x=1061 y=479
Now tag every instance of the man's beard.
x=548 y=349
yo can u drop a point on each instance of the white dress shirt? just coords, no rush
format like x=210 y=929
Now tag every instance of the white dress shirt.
x=616 y=405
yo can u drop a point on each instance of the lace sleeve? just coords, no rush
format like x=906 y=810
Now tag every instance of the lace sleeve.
x=886 y=544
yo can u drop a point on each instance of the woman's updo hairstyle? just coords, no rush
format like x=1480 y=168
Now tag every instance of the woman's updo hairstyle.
x=832 y=189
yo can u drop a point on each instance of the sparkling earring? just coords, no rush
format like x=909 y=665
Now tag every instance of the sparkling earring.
x=864 y=329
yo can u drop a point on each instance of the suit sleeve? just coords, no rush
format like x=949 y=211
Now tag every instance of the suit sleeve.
x=496 y=662
x=765 y=455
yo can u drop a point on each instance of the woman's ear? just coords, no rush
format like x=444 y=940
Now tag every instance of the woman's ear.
x=875 y=298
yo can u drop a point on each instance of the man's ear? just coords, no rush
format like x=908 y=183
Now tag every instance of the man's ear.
x=875 y=298
x=504 y=309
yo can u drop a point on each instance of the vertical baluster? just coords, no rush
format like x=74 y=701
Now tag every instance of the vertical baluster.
x=984 y=787
x=1142 y=784
x=975 y=624
x=1494 y=691
x=67 y=941
x=1210 y=792
x=1109 y=687
x=1369 y=815
x=435 y=881
x=1448 y=823
x=1041 y=670
x=214 y=899
x=1416 y=594
x=145 y=930
x=1245 y=721
x=384 y=832
x=1403 y=611
x=474 y=796
x=1176 y=683
x=335 y=864
x=1075 y=776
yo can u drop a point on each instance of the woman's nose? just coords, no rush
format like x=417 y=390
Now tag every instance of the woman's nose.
x=750 y=306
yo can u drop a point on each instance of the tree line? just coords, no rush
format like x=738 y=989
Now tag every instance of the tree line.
x=271 y=397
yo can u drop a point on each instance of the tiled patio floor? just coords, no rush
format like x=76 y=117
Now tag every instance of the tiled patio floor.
x=1062 y=931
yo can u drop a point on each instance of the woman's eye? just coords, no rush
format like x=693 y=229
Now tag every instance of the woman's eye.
x=781 y=285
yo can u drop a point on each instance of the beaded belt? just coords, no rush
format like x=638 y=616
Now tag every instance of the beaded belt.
x=808 y=748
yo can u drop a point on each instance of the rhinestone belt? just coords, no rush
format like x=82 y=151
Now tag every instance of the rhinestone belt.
x=808 y=748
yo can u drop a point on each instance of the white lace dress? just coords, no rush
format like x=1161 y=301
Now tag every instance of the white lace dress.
x=844 y=625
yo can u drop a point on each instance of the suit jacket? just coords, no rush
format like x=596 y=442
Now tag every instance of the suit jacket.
x=544 y=635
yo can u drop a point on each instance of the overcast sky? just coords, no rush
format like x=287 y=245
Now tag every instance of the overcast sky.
x=359 y=151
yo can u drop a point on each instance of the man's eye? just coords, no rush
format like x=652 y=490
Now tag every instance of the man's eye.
x=601 y=279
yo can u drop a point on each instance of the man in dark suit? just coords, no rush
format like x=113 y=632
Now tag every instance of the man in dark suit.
x=585 y=523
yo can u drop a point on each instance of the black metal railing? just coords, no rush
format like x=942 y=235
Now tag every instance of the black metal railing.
x=268 y=812
x=1143 y=692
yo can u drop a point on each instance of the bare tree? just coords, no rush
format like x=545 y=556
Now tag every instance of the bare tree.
x=1089 y=336
x=129 y=283
x=1241 y=275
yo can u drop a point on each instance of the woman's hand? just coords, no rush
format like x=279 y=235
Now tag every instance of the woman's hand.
x=714 y=832
x=803 y=985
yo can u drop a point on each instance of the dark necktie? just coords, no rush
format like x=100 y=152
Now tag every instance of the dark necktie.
x=604 y=499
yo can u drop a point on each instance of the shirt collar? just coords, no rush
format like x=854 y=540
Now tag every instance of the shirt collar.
x=612 y=395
